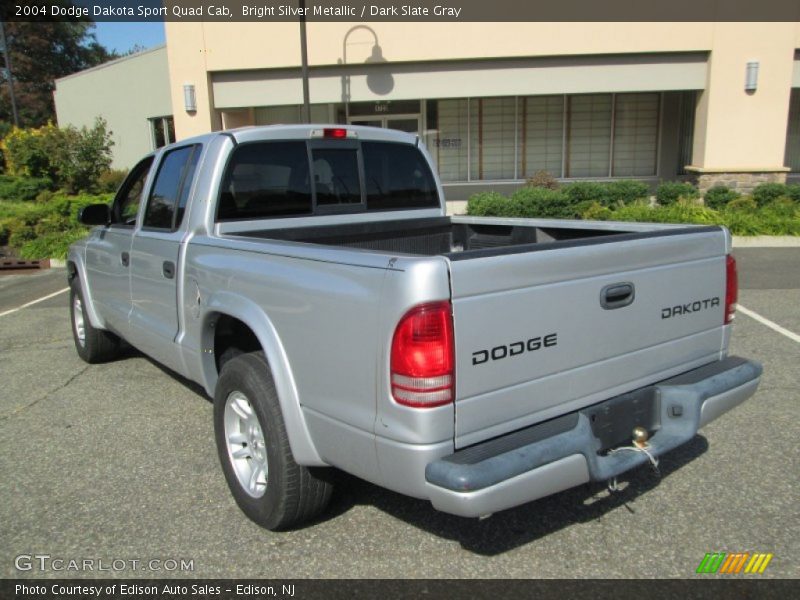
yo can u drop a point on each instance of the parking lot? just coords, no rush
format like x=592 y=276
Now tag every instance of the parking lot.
x=117 y=461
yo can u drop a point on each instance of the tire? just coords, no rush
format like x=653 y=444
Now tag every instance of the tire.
x=93 y=345
x=266 y=482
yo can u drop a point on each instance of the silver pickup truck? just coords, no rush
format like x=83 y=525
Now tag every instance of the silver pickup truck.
x=308 y=278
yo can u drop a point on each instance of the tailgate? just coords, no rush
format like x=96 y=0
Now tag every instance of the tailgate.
x=552 y=330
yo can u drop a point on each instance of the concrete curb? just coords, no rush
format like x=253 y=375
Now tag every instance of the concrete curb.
x=766 y=241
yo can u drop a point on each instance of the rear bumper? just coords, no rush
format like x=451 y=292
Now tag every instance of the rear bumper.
x=550 y=457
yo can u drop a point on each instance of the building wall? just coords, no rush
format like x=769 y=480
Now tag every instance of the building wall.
x=734 y=131
x=126 y=93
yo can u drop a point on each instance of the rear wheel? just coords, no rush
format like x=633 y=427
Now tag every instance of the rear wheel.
x=93 y=345
x=253 y=447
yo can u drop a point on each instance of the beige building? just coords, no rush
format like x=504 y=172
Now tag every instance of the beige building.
x=497 y=102
x=132 y=94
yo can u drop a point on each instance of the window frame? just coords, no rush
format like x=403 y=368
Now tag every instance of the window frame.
x=196 y=150
x=336 y=209
x=144 y=166
x=164 y=119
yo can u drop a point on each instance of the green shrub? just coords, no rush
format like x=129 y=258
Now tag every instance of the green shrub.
x=669 y=192
x=635 y=211
x=764 y=193
x=597 y=212
x=719 y=196
x=588 y=191
x=793 y=192
x=741 y=222
x=71 y=158
x=686 y=211
x=488 y=204
x=20 y=232
x=22 y=188
x=624 y=191
x=24 y=224
x=781 y=207
x=742 y=204
x=544 y=203
x=109 y=181
x=51 y=245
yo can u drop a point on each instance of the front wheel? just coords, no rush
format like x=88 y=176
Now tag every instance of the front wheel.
x=253 y=447
x=92 y=344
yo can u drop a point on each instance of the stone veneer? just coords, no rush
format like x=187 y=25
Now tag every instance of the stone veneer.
x=741 y=181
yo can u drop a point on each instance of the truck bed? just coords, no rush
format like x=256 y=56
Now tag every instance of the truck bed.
x=460 y=238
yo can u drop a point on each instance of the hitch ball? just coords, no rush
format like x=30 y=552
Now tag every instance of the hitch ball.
x=640 y=436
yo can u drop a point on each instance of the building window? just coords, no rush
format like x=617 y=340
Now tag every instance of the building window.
x=162 y=131
x=588 y=135
x=792 y=159
x=542 y=135
x=493 y=125
x=448 y=138
x=635 y=134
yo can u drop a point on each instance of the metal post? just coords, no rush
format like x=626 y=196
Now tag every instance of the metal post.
x=7 y=55
x=304 y=56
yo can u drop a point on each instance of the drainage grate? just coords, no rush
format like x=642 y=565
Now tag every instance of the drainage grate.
x=7 y=264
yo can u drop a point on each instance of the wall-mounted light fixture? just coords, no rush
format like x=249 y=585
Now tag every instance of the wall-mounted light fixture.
x=751 y=76
x=189 y=97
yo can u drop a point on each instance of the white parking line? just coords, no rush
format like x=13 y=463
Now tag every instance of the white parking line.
x=774 y=326
x=32 y=302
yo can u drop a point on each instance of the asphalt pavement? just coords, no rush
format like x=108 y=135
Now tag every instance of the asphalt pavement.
x=117 y=462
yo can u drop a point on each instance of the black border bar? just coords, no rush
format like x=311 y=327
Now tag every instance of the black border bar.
x=267 y=11
x=702 y=586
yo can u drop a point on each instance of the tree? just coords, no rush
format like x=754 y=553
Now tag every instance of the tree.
x=40 y=53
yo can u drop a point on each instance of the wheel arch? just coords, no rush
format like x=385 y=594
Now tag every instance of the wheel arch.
x=76 y=269
x=228 y=305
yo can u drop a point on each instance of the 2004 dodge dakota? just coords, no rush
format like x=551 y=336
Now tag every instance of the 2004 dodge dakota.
x=308 y=278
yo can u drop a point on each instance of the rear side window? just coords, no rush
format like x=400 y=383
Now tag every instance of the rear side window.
x=269 y=179
x=167 y=201
x=397 y=176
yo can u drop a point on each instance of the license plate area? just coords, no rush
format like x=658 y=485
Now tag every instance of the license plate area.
x=613 y=421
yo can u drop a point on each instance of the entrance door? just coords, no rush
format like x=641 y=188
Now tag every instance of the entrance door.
x=407 y=123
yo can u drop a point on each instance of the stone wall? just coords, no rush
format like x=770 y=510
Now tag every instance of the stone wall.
x=742 y=182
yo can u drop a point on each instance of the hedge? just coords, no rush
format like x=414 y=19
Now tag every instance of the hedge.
x=44 y=229
x=741 y=215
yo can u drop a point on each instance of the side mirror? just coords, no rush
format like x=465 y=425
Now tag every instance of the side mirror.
x=95 y=214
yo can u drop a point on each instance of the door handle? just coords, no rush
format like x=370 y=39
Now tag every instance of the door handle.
x=617 y=295
x=168 y=269
x=125 y=258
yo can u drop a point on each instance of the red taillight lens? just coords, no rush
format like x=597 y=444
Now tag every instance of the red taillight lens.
x=731 y=288
x=422 y=357
x=335 y=133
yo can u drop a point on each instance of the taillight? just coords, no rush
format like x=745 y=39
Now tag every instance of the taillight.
x=731 y=288
x=422 y=358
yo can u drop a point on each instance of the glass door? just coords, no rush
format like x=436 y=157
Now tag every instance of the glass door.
x=407 y=123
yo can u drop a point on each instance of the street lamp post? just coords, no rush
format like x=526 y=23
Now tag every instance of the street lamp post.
x=304 y=62
x=9 y=74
